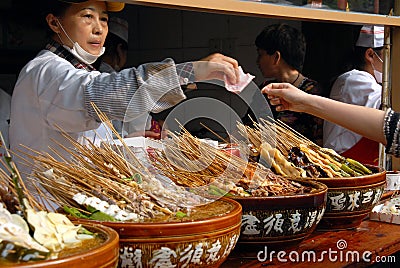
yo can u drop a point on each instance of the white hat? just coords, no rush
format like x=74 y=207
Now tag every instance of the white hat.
x=371 y=36
x=119 y=27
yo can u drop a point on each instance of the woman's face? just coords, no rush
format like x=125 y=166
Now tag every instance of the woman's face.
x=87 y=24
x=265 y=63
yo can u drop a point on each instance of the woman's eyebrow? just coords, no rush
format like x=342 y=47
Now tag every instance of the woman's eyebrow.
x=94 y=10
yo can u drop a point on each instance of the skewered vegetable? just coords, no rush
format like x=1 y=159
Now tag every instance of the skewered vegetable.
x=191 y=163
x=51 y=232
x=14 y=253
x=279 y=163
x=317 y=162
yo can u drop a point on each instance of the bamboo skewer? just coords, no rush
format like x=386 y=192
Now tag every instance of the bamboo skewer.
x=99 y=171
x=13 y=181
x=186 y=149
x=104 y=171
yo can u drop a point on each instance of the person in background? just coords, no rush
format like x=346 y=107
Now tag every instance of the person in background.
x=55 y=91
x=116 y=44
x=378 y=125
x=281 y=52
x=361 y=86
x=115 y=54
x=5 y=103
x=113 y=60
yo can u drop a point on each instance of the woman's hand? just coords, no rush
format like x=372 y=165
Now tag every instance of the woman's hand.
x=285 y=96
x=365 y=121
x=216 y=66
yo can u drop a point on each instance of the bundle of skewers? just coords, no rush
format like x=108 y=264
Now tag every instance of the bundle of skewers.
x=290 y=154
x=99 y=183
x=27 y=231
x=189 y=162
x=107 y=182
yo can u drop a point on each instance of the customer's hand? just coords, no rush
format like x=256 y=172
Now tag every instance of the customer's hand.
x=285 y=96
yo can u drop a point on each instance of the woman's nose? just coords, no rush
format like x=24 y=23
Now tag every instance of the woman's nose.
x=98 y=28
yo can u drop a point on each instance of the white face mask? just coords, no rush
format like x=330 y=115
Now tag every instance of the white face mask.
x=78 y=51
x=377 y=74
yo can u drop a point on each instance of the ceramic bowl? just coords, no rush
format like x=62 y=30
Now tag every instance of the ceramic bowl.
x=279 y=221
x=351 y=199
x=198 y=243
x=104 y=255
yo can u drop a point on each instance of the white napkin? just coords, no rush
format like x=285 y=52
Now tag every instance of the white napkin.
x=244 y=80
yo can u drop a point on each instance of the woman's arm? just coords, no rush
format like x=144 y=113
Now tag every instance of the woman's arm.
x=153 y=87
x=365 y=121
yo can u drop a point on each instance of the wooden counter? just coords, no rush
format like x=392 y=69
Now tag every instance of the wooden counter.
x=377 y=238
x=260 y=9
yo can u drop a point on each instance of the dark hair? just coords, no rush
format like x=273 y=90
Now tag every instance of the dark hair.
x=57 y=8
x=289 y=41
x=354 y=59
x=359 y=57
x=111 y=43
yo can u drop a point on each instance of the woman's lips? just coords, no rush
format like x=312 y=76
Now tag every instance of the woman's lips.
x=95 y=44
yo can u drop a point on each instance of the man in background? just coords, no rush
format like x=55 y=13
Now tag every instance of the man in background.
x=360 y=85
x=281 y=51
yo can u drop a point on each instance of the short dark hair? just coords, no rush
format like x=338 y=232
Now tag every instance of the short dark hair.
x=57 y=8
x=289 y=41
x=358 y=60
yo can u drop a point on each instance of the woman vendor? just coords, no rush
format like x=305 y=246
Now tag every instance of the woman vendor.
x=55 y=91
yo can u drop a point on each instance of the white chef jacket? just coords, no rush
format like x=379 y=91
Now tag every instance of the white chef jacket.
x=5 y=103
x=51 y=92
x=355 y=87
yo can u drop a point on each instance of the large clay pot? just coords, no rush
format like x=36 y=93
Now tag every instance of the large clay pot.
x=199 y=243
x=350 y=200
x=279 y=221
x=104 y=255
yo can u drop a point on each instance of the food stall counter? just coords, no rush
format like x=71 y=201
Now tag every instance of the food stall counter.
x=372 y=243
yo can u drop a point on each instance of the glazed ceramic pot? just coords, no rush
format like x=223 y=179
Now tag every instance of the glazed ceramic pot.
x=279 y=221
x=103 y=255
x=351 y=199
x=198 y=243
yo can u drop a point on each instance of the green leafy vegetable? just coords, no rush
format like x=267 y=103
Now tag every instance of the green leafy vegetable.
x=101 y=216
x=180 y=214
x=75 y=213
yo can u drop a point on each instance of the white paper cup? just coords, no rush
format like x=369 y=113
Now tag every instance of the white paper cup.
x=392 y=181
